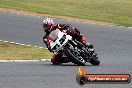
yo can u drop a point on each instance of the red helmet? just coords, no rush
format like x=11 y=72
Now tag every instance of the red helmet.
x=48 y=24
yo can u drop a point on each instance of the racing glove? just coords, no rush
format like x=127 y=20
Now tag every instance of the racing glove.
x=46 y=41
x=49 y=48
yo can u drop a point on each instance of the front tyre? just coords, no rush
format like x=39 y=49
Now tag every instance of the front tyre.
x=94 y=60
x=74 y=58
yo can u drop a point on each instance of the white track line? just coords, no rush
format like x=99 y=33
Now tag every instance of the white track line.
x=129 y=27
x=12 y=42
x=17 y=43
x=36 y=46
x=41 y=47
x=24 y=60
x=5 y=41
x=21 y=44
x=28 y=45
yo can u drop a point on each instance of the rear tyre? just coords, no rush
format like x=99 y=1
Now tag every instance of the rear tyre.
x=74 y=58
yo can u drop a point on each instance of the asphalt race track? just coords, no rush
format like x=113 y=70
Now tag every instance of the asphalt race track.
x=112 y=43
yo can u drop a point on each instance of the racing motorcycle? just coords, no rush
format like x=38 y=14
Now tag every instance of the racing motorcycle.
x=76 y=52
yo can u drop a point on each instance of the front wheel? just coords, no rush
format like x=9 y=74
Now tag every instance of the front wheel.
x=75 y=58
x=94 y=60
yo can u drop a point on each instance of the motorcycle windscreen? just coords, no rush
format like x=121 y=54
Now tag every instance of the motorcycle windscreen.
x=54 y=35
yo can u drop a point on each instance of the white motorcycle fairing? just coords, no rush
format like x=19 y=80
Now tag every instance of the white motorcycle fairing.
x=56 y=37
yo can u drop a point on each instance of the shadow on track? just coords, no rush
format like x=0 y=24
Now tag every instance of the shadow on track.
x=68 y=64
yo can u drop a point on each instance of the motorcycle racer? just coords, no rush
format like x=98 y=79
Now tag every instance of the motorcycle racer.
x=49 y=26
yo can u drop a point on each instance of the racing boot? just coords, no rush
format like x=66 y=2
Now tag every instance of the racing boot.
x=88 y=45
x=64 y=60
x=56 y=59
x=83 y=40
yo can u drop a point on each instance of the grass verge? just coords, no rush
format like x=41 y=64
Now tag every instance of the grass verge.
x=18 y=52
x=114 y=11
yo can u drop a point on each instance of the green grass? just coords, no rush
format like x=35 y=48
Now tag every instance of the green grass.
x=18 y=52
x=114 y=11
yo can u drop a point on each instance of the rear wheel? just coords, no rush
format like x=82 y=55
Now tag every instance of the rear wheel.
x=76 y=59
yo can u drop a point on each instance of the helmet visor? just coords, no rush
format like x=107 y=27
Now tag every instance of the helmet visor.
x=46 y=27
